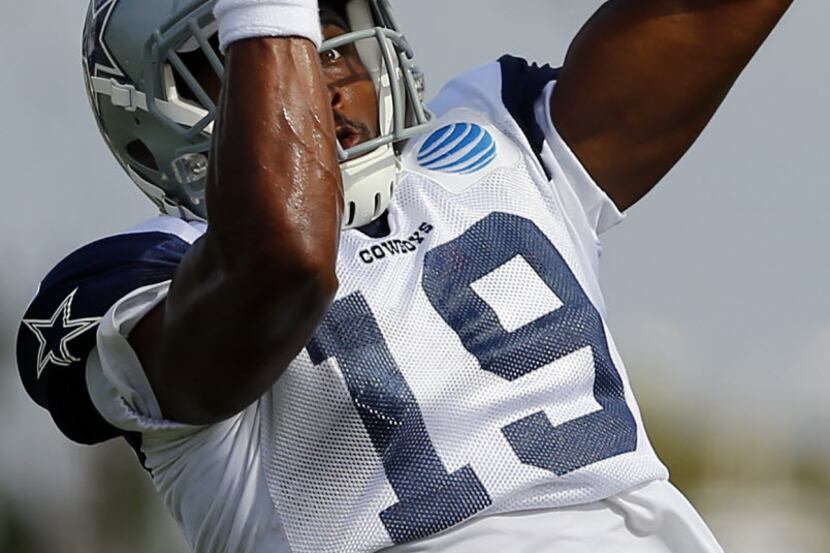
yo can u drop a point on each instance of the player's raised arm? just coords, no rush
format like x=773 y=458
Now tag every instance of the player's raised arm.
x=249 y=294
x=644 y=77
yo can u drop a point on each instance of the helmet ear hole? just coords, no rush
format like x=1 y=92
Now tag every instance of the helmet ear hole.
x=141 y=154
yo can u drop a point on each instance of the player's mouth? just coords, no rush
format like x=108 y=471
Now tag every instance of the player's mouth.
x=350 y=133
x=349 y=136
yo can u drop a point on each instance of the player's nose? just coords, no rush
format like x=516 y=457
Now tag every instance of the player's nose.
x=336 y=97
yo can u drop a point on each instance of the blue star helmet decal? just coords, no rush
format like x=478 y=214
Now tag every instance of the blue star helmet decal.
x=97 y=56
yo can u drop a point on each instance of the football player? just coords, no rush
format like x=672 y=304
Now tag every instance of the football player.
x=361 y=322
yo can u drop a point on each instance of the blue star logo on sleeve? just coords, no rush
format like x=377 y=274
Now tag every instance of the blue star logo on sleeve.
x=55 y=333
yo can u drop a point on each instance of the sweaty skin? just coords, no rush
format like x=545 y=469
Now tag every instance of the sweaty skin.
x=640 y=82
x=249 y=294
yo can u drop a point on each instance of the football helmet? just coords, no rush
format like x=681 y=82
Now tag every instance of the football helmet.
x=157 y=118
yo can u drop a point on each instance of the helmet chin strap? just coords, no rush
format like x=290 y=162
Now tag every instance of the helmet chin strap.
x=128 y=98
x=161 y=199
x=368 y=184
x=369 y=180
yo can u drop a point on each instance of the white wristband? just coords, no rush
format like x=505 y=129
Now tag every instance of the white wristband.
x=240 y=19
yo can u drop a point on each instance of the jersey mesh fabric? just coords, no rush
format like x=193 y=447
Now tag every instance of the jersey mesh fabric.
x=398 y=386
x=328 y=480
x=464 y=368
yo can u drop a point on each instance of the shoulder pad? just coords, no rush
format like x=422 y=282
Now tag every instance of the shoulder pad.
x=58 y=331
x=522 y=85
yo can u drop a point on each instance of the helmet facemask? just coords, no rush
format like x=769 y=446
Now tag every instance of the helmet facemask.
x=370 y=169
x=174 y=98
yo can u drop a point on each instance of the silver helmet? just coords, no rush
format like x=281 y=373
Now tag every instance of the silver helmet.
x=157 y=117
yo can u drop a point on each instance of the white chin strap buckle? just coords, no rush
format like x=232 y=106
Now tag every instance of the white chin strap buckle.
x=368 y=184
x=121 y=95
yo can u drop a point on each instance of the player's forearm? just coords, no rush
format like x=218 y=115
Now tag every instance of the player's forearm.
x=732 y=28
x=248 y=296
x=644 y=77
x=274 y=190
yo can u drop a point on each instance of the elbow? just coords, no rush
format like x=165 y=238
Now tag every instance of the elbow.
x=320 y=285
x=289 y=266
x=302 y=287
x=319 y=288
x=311 y=273
x=265 y=319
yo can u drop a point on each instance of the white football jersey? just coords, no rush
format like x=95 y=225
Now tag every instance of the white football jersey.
x=464 y=368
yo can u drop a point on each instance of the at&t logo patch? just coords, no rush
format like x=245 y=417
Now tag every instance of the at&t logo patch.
x=458 y=148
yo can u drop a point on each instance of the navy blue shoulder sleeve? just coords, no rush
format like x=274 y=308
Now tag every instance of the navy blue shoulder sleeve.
x=58 y=331
x=522 y=84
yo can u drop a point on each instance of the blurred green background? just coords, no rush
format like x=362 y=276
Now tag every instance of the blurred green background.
x=716 y=283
